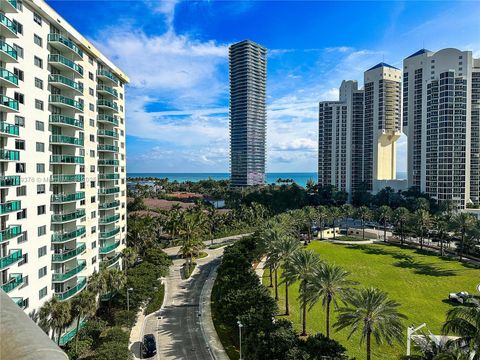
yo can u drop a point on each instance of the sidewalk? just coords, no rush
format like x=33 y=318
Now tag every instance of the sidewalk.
x=136 y=335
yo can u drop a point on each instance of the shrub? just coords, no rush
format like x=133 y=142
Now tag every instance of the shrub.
x=156 y=301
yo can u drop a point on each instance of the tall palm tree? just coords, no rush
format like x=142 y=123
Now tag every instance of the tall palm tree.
x=322 y=216
x=363 y=213
x=55 y=315
x=461 y=223
x=372 y=313
x=400 y=217
x=335 y=213
x=347 y=211
x=274 y=254
x=464 y=321
x=83 y=305
x=328 y=283
x=129 y=255
x=301 y=267
x=384 y=214
x=441 y=231
x=287 y=246
x=309 y=215
x=422 y=221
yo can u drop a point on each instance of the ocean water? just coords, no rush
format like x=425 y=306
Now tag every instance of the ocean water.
x=300 y=178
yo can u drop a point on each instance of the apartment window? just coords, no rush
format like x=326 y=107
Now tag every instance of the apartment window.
x=39 y=125
x=121 y=108
x=93 y=214
x=22 y=190
x=42 y=272
x=19 y=97
x=22 y=238
x=91 y=91
x=121 y=121
x=40 y=168
x=92 y=184
x=18 y=26
x=92 y=168
x=41 y=209
x=92 y=153
x=92 y=199
x=19 y=144
x=92 y=122
x=37 y=18
x=121 y=132
x=19 y=50
x=42 y=293
x=19 y=121
x=26 y=302
x=92 y=138
x=22 y=214
x=82 y=185
x=93 y=230
x=37 y=40
x=38 y=62
x=38 y=83
x=82 y=202
x=41 y=230
x=94 y=244
x=24 y=260
x=90 y=76
x=41 y=189
x=91 y=107
x=38 y=104
x=94 y=260
x=40 y=147
x=90 y=60
x=25 y=282
x=19 y=73
x=42 y=251
x=121 y=96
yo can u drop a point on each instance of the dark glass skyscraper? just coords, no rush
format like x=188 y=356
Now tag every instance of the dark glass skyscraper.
x=248 y=113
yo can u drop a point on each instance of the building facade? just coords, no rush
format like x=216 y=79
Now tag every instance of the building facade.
x=62 y=156
x=248 y=113
x=441 y=118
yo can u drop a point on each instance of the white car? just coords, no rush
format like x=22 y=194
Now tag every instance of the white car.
x=459 y=297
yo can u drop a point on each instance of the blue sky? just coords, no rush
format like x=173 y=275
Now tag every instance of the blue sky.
x=175 y=53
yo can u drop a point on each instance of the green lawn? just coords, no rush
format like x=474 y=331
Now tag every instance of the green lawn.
x=419 y=282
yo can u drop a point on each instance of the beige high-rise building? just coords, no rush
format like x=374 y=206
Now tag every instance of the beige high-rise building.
x=441 y=118
x=62 y=156
x=358 y=133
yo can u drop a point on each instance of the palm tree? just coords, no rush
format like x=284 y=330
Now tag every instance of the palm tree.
x=129 y=255
x=274 y=254
x=364 y=214
x=372 y=313
x=441 y=231
x=422 y=221
x=301 y=267
x=384 y=214
x=400 y=217
x=322 y=216
x=55 y=315
x=287 y=246
x=328 y=283
x=309 y=215
x=461 y=223
x=347 y=211
x=83 y=305
x=335 y=213
x=464 y=321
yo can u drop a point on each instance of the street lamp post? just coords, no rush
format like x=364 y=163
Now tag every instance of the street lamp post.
x=410 y=331
x=240 y=325
x=128 y=303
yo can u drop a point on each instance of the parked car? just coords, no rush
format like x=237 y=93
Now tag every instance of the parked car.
x=459 y=297
x=149 y=346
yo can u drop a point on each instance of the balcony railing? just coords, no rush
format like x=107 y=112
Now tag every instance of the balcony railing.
x=12 y=257
x=67 y=178
x=10 y=206
x=9 y=102
x=60 y=119
x=9 y=155
x=69 y=335
x=59 y=218
x=15 y=281
x=107 y=118
x=109 y=234
x=8 y=23
x=9 y=180
x=59 y=257
x=62 y=198
x=67 y=159
x=81 y=264
x=107 y=74
x=7 y=49
x=109 y=248
x=62 y=139
x=110 y=205
x=108 y=162
x=59 y=237
x=9 y=76
x=108 y=133
x=10 y=232
x=109 y=176
x=109 y=219
x=60 y=99
x=57 y=58
x=57 y=38
x=81 y=283
x=9 y=129
x=109 y=191
x=56 y=78
x=104 y=147
x=107 y=103
x=109 y=262
x=107 y=89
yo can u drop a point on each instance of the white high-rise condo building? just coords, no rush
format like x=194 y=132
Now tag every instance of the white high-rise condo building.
x=441 y=118
x=248 y=113
x=358 y=133
x=62 y=156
